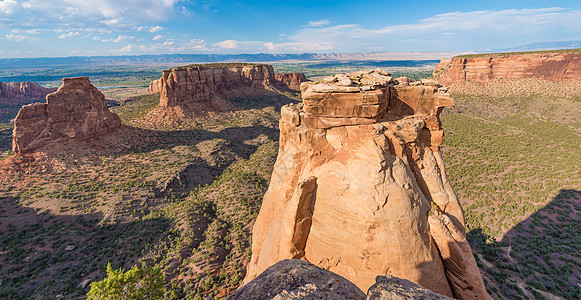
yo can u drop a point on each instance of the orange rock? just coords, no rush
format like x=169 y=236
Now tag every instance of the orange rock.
x=548 y=66
x=355 y=196
x=291 y=81
x=77 y=110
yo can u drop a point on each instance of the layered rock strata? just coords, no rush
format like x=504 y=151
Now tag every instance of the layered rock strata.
x=77 y=110
x=359 y=188
x=292 y=81
x=549 y=66
x=20 y=92
x=190 y=86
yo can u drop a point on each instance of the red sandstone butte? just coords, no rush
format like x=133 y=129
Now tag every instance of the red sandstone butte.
x=77 y=110
x=554 y=66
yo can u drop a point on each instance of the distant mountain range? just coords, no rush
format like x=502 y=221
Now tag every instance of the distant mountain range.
x=164 y=59
x=544 y=46
x=167 y=59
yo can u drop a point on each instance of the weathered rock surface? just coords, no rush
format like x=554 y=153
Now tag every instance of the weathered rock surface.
x=297 y=279
x=17 y=93
x=199 y=84
x=359 y=188
x=154 y=86
x=77 y=110
x=291 y=81
x=393 y=288
x=548 y=66
x=206 y=86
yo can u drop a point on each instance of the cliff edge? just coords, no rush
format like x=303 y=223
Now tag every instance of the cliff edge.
x=554 y=66
x=359 y=188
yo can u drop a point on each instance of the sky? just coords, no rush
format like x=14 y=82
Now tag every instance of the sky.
x=60 y=28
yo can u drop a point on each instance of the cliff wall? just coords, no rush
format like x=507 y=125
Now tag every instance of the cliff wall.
x=291 y=81
x=190 y=86
x=186 y=86
x=359 y=188
x=77 y=110
x=549 y=66
x=18 y=93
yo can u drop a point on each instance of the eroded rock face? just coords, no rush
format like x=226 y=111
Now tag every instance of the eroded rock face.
x=548 y=66
x=297 y=279
x=198 y=84
x=291 y=81
x=20 y=92
x=154 y=86
x=359 y=188
x=77 y=110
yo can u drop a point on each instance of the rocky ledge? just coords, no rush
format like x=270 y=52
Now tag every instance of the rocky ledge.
x=359 y=188
x=77 y=110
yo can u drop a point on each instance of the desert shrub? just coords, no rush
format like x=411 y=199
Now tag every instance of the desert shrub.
x=136 y=283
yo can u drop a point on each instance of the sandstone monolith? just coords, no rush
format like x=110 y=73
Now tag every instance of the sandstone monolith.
x=359 y=188
x=77 y=110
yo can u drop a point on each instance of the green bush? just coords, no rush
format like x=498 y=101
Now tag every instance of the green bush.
x=144 y=283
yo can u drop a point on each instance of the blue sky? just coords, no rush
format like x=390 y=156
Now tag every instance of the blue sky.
x=47 y=28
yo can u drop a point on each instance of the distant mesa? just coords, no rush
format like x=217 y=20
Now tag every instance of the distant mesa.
x=195 y=86
x=291 y=81
x=549 y=65
x=359 y=187
x=18 y=93
x=77 y=110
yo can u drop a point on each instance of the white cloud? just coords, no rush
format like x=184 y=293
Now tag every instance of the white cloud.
x=109 y=12
x=157 y=37
x=119 y=39
x=487 y=24
x=155 y=29
x=26 y=31
x=318 y=23
x=69 y=34
x=19 y=37
x=227 y=44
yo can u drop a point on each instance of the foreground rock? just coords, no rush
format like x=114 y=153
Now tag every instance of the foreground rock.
x=297 y=279
x=77 y=110
x=18 y=93
x=393 y=288
x=206 y=86
x=359 y=188
x=555 y=66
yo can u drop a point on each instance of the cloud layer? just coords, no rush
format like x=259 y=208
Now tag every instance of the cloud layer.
x=148 y=26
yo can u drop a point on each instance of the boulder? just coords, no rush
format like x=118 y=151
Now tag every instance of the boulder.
x=392 y=288
x=297 y=279
x=77 y=110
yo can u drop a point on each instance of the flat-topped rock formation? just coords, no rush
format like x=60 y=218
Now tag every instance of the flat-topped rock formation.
x=17 y=93
x=359 y=188
x=77 y=110
x=555 y=66
x=195 y=86
x=292 y=81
